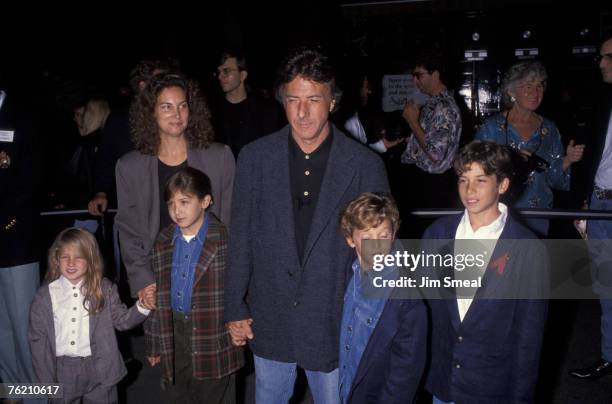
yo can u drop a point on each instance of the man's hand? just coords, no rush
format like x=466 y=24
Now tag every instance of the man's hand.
x=147 y=296
x=153 y=360
x=97 y=206
x=392 y=143
x=581 y=224
x=573 y=154
x=240 y=331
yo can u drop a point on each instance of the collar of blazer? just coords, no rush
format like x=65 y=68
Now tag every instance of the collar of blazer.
x=164 y=248
x=493 y=280
x=342 y=165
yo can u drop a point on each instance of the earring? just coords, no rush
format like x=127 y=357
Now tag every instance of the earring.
x=512 y=98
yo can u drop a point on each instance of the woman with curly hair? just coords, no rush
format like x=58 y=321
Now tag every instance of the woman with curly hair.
x=171 y=129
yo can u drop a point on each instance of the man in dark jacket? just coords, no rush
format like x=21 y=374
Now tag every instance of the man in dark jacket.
x=241 y=116
x=19 y=266
x=287 y=253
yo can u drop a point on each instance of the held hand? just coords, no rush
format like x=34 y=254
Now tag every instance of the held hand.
x=153 y=360
x=151 y=295
x=581 y=224
x=97 y=206
x=411 y=113
x=240 y=331
x=574 y=152
x=147 y=296
x=392 y=143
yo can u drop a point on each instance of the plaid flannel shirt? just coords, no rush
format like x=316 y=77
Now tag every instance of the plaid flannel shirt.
x=214 y=356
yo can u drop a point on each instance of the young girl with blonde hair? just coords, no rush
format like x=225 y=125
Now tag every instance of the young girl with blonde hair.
x=72 y=321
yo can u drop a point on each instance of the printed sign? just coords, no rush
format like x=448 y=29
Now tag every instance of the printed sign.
x=7 y=136
x=398 y=89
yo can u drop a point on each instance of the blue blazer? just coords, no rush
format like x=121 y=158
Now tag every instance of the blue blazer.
x=392 y=364
x=296 y=307
x=493 y=355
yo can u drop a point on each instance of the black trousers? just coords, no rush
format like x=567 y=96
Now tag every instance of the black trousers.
x=186 y=388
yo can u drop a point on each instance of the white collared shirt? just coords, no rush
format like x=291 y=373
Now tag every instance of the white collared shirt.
x=603 y=178
x=354 y=126
x=70 y=319
x=489 y=232
x=2 y=98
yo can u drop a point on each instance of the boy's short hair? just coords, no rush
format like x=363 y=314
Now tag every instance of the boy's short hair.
x=492 y=157
x=236 y=54
x=369 y=210
x=188 y=180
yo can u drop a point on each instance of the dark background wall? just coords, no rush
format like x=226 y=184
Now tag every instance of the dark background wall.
x=58 y=57
x=58 y=51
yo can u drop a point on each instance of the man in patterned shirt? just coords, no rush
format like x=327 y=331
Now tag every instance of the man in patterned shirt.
x=435 y=125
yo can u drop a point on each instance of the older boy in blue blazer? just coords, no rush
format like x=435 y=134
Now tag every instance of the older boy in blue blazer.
x=383 y=338
x=485 y=348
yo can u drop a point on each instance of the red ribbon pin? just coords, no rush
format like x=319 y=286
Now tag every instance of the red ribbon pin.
x=500 y=263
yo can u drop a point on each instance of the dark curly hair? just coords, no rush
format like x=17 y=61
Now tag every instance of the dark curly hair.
x=143 y=126
x=145 y=69
x=311 y=65
x=492 y=157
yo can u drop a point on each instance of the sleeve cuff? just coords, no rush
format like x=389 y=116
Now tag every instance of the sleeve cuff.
x=144 y=311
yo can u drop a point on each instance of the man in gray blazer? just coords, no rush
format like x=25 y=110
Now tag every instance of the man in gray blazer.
x=288 y=259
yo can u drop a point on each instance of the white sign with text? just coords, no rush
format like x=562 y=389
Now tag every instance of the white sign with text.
x=398 y=89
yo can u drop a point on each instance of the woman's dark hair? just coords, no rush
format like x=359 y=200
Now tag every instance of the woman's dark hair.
x=143 y=126
x=311 y=65
x=146 y=69
x=188 y=180
x=492 y=157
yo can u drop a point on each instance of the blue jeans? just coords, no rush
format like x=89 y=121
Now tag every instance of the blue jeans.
x=274 y=382
x=602 y=274
x=436 y=400
x=17 y=288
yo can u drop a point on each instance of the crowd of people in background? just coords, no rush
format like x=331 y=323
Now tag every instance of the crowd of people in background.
x=240 y=222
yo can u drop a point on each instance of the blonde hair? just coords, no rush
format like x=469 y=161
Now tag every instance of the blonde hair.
x=369 y=210
x=94 y=116
x=87 y=246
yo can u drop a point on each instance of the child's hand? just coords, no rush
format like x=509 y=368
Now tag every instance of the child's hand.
x=149 y=296
x=153 y=360
x=240 y=331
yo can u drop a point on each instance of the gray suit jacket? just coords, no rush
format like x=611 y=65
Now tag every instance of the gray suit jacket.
x=296 y=309
x=108 y=361
x=138 y=201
